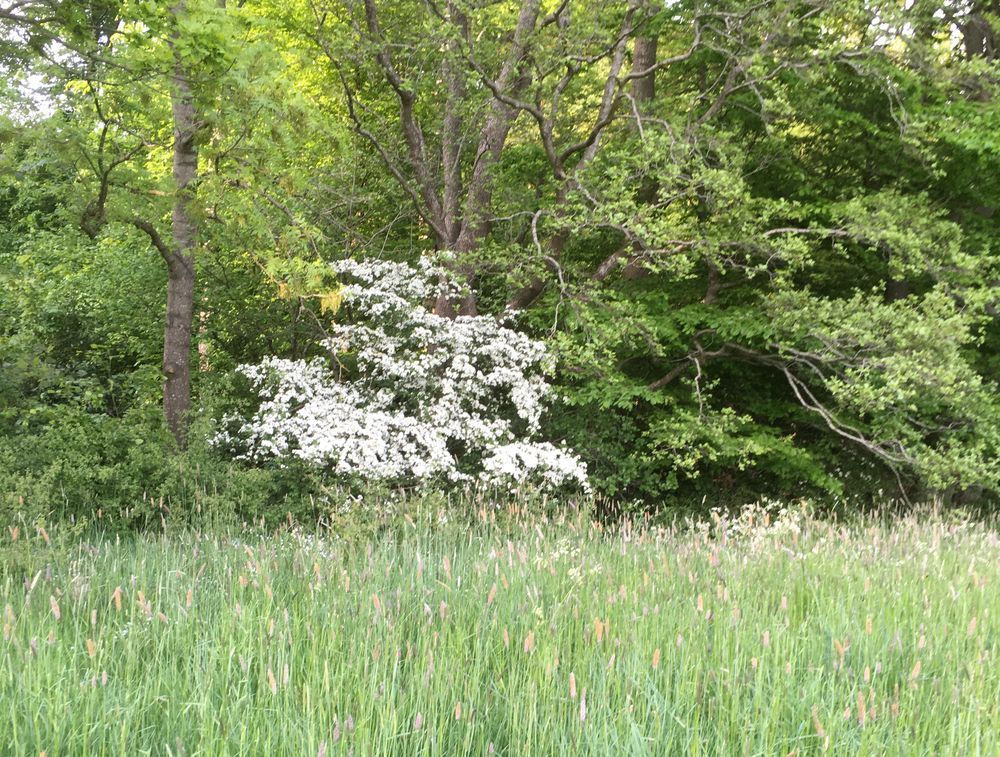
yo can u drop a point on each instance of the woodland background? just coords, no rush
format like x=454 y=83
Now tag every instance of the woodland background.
x=758 y=238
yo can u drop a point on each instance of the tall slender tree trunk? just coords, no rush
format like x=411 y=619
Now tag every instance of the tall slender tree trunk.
x=457 y=239
x=643 y=92
x=181 y=265
x=643 y=59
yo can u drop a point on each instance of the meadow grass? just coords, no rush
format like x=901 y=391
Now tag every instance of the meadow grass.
x=765 y=634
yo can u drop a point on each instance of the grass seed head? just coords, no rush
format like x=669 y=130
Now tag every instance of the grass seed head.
x=817 y=724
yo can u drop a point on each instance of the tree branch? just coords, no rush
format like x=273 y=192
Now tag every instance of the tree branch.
x=169 y=255
x=412 y=132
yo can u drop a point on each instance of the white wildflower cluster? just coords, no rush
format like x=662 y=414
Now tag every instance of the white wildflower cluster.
x=434 y=398
x=764 y=523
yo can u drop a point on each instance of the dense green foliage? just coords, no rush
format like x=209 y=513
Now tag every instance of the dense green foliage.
x=758 y=237
x=768 y=634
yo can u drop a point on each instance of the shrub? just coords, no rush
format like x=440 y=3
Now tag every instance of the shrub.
x=433 y=400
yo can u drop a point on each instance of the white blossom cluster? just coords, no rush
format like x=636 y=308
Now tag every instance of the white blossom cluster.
x=456 y=400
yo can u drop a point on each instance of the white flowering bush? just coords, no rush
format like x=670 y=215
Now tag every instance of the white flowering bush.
x=431 y=399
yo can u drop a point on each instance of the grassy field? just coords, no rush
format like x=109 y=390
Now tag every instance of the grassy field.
x=767 y=634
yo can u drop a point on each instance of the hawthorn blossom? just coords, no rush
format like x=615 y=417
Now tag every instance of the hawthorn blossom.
x=435 y=398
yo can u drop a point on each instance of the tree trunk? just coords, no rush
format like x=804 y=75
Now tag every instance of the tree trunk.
x=979 y=41
x=643 y=59
x=978 y=37
x=180 y=267
x=475 y=226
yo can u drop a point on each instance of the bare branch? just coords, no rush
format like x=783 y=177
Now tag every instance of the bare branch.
x=412 y=131
x=609 y=98
x=169 y=255
x=426 y=214
x=501 y=117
